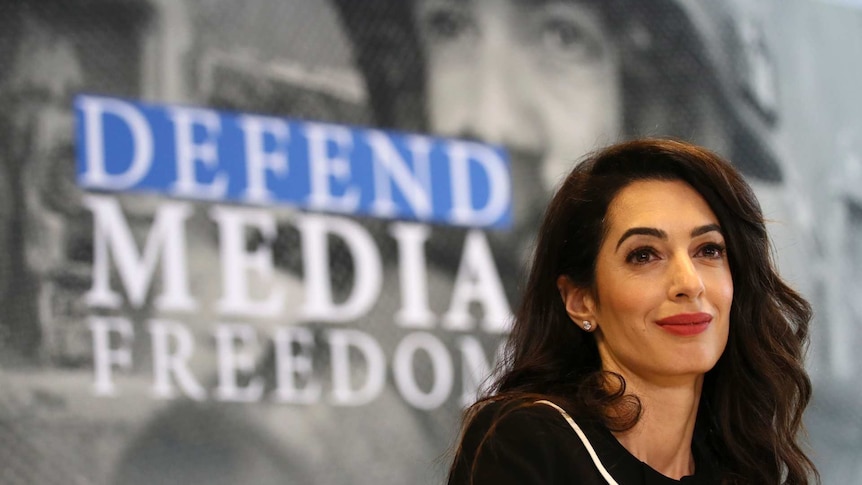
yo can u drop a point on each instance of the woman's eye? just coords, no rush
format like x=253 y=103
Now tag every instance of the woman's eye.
x=641 y=256
x=562 y=34
x=444 y=24
x=712 y=251
x=564 y=37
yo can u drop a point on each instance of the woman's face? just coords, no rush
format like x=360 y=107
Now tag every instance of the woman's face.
x=663 y=284
x=541 y=78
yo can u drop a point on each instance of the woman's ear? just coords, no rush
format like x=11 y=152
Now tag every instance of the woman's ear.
x=579 y=302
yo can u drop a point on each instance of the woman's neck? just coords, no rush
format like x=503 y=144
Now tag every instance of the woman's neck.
x=663 y=434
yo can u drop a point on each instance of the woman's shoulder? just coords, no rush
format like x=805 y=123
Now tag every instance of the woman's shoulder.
x=512 y=415
x=520 y=442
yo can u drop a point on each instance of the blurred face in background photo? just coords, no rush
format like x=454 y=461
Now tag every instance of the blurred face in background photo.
x=45 y=73
x=55 y=59
x=541 y=78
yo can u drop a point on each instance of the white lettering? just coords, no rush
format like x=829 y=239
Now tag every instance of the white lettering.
x=343 y=392
x=167 y=363
x=478 y=281
x=258 y=160
x=95 y=175
x=189 y=152
x=292 y=367
x=390 y=166
x=367 y=269
x=475 y=368
x=403 y=369
x=230 y=362
x=323 y=167
x=461 y=154
x=412 y=273
x=166 y=237
x=105 y=357
x=236 y=262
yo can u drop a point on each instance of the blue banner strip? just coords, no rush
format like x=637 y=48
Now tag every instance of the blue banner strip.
x=203 y=154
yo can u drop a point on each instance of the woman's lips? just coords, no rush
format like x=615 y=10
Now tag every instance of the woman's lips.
x=685 y=323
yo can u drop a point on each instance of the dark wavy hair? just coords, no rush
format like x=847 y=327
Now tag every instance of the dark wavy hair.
x=754 y=397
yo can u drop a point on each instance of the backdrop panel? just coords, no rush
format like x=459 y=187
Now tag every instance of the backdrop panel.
x=173 y=330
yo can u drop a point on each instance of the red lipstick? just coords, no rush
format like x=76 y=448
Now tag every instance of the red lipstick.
x=685 y=324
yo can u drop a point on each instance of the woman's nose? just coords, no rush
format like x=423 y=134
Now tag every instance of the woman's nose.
x=492 y=115
x=502 y=111
x=685 y=279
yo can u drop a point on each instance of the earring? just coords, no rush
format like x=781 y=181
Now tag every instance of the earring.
x=587 y=325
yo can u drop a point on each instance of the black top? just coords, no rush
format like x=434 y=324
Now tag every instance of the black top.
x=535 y=445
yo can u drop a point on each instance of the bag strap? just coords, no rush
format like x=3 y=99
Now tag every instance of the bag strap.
x=602 y=470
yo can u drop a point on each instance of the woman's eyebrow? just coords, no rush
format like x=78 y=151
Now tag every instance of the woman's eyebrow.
x=697 y=231
x=658 y=233
x=646 y=231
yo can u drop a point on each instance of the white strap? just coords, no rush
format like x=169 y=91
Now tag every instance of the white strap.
x=584 y=440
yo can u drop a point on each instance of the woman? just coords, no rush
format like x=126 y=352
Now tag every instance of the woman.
x=654 y=317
